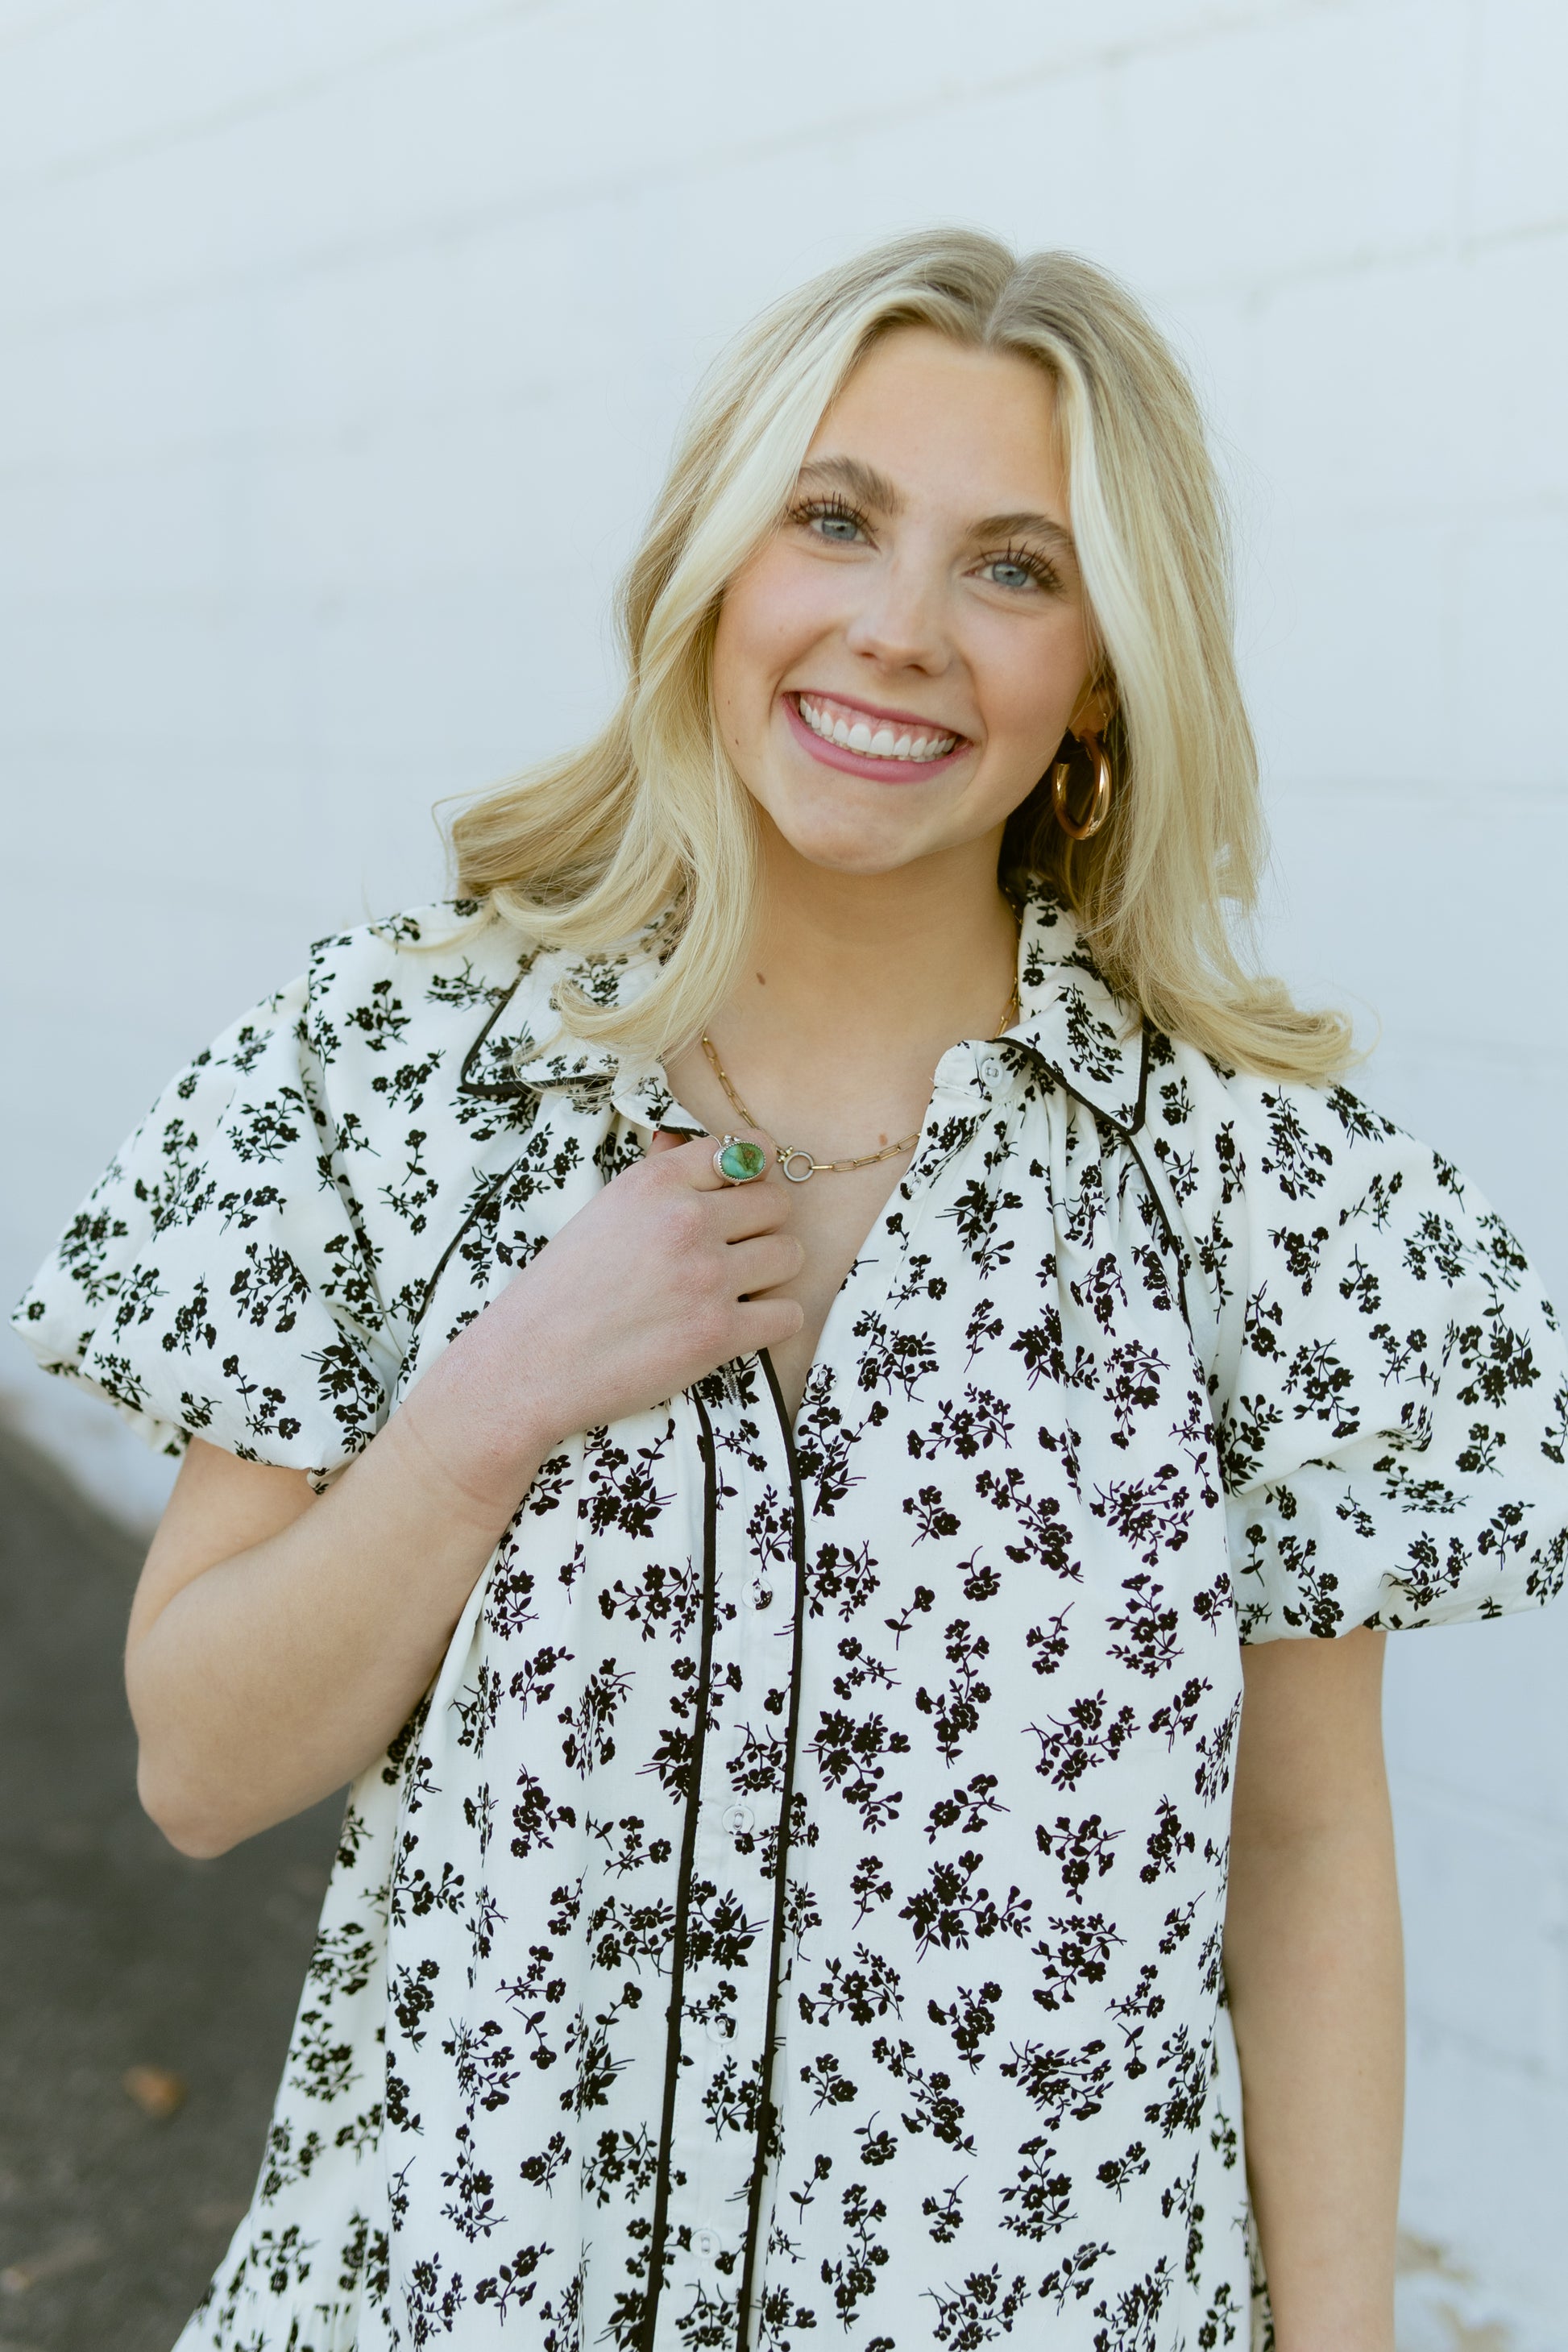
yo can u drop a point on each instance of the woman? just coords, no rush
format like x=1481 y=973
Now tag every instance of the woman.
x=761 y=1389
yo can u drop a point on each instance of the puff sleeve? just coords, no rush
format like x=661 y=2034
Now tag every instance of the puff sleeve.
x=1390 y=1390
x=217 y=1281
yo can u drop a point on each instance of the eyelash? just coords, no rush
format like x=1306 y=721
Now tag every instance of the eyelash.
x=816 y=510
x=1024 y=559
x=1043 y=574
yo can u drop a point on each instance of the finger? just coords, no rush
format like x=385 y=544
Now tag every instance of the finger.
x=766 y=1322
x=741 y=1211
x=693 y=1163
x=757 y=1266
x=666 y=1138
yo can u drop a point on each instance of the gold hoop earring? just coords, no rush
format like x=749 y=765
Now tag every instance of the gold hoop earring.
x=1100 y=808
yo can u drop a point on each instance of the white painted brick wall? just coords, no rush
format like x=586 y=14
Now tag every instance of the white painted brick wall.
x=339 y=347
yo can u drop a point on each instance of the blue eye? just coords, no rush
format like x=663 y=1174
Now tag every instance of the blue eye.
x=1019 y=568
x=832 y=519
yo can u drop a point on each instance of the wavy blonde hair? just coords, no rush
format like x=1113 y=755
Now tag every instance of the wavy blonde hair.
x=649 y=825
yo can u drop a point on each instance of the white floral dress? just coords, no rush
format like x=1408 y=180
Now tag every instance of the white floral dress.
x=793 y=1916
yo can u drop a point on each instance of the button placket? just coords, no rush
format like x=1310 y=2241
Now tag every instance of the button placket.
x=724 y=2001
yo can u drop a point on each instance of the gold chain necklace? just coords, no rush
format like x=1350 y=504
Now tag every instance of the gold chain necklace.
x=794 y=1157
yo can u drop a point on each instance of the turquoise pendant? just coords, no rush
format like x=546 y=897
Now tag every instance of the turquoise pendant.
x=739 y=1162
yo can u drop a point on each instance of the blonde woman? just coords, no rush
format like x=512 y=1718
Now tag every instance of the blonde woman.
x=761 y=1388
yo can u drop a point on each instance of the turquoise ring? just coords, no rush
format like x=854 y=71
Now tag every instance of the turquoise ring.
x=739 y=1162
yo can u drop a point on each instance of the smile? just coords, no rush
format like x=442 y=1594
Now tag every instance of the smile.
x=875 y=738
x=887 y=746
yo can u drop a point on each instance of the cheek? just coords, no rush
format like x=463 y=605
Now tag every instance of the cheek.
x=769 y=619
x=1029 y=691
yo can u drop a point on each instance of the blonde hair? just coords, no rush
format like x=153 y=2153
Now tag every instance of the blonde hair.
x=649 y=825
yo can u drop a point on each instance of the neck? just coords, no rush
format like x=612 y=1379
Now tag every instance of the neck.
x=926 y=953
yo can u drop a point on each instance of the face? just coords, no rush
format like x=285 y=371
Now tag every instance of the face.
x=894 y=670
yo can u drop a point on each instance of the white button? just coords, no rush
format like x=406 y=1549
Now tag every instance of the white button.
x=991 y=1069
x=716 y=2025
x=737 y=1818
x=705 y=2244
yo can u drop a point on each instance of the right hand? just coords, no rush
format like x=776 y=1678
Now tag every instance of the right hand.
x=278 y=1641
x=659 y=1278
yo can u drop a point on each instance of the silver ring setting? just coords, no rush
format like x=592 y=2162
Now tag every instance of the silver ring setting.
x=737 y=1161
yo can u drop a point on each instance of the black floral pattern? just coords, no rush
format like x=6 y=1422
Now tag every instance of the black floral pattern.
x=795 y=1908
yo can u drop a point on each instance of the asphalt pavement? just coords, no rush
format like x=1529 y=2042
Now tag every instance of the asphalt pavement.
x=119 y=1960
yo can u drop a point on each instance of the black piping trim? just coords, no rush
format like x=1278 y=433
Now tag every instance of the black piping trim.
x=480 y=1205
x=508 y=1089
x=466 y=1083
x=1129 y=1135
x=1178 y=1254
x=1128 y=1127
x=765 y=2109
x=683 y=1886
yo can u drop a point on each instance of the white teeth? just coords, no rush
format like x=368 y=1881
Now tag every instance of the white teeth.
x=881 y=743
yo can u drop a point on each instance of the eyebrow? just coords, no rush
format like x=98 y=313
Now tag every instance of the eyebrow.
x=863 y=483
x=1025 y=525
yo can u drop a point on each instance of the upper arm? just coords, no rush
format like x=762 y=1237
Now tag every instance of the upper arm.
x=220 y=1507
x=1311 y=1752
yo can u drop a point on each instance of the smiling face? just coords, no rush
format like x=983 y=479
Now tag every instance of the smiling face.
x=895 y=668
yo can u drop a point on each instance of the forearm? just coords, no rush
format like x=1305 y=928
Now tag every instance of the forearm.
x=278 y=1674
x=1314 y=1968
x=277 y=1642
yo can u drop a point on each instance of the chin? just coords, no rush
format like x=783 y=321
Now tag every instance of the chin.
x=847 y=849
x=830 y=830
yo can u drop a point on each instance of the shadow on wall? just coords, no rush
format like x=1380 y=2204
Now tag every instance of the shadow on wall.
x=1442 y=2307
x=148 y=1998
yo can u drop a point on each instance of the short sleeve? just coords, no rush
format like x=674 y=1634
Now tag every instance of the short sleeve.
x=1391 y=1392
x=217 y=1281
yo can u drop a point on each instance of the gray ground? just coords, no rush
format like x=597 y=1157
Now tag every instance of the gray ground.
x=117 y=1952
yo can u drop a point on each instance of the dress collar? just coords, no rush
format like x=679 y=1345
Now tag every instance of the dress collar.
x=1070 y=1019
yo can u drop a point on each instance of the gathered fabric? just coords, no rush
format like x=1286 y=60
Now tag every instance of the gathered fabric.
x=795 y=1908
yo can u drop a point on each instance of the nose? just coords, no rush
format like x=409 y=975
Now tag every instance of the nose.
x=901 y=621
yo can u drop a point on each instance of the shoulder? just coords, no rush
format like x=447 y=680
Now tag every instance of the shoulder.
x=1299 y=1199
x=1239 y=1132
x=376 y=991
x=415 y=1001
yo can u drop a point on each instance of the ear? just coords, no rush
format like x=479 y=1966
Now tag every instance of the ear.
x=1094 y=710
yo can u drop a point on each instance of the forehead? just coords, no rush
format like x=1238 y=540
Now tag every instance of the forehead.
x=946 y=423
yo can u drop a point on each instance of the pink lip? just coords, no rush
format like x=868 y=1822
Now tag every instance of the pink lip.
x=833 y=755
x=920 y=719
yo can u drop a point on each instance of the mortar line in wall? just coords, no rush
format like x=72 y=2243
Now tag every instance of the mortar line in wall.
x=272 y=101
x=38 y=29
x=501 y=399
x=1091 y=56
x=1248 y=293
